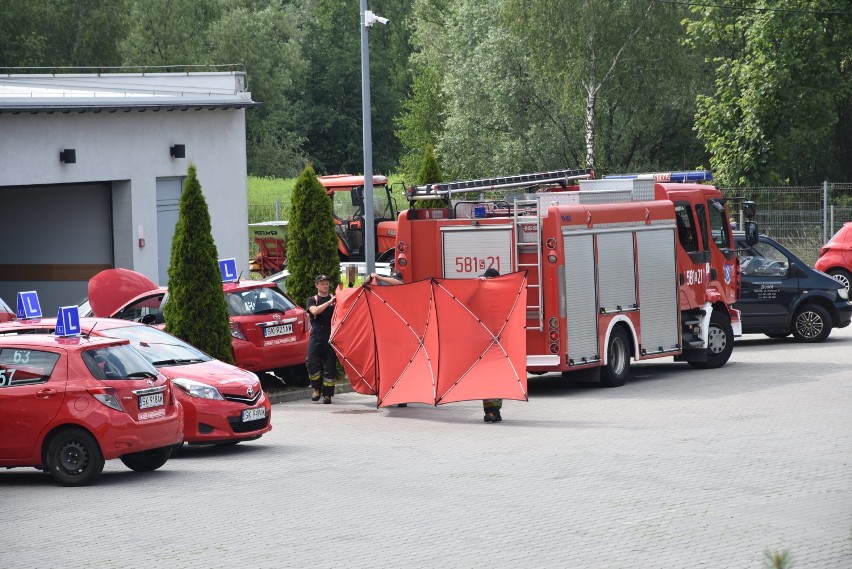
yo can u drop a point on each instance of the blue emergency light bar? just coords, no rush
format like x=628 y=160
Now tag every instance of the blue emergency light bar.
x=689 y=176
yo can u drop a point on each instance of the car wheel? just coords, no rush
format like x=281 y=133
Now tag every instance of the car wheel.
x=841 y=275
x=74 y=458
x=617 y=368
x=720 y=342
x=777 y=335
x=147 y=460
x=811 y=324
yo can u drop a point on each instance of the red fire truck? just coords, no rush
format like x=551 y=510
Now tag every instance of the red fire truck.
x=634 y=267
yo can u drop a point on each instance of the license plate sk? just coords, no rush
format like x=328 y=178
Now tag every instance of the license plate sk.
x=148 y=401
x=278 y=330
x=254 y=414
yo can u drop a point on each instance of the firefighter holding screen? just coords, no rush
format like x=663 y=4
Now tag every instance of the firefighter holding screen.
x=492 y=406
x=321 y=360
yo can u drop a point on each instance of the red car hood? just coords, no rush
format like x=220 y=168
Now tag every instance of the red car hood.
x=226 y=378
x=109 y=290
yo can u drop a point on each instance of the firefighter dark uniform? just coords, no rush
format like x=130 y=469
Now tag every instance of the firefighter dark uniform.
x=321 y=360
x=492 y=406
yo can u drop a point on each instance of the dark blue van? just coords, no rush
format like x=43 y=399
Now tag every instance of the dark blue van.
x=781 y=295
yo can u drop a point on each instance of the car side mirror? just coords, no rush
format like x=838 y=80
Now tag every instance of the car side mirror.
x=751 y=234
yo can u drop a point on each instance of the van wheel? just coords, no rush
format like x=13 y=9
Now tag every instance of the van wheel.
x=74 y=458
x=617 y=368
x=147 y=460
x=841 y=275
x=720 y=342
x=811 y=324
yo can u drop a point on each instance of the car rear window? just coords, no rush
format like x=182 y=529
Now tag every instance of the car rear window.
x=264 y=300
x=118 y=362
x=20 y=366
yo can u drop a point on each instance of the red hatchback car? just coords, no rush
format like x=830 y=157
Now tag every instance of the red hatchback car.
x=835 y=257
x=222 y=404
x=269 y=332
x=69 y=404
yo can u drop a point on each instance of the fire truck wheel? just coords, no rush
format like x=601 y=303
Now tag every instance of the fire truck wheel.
x=811 y=324
x=720 y=342
x=617 y=368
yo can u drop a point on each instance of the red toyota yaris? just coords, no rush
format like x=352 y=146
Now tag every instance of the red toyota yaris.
x=269 y=332
x=69 y=404
x=835 y=257
x=222 y=404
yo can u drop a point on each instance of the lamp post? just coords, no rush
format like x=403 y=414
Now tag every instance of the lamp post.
x=367 y=21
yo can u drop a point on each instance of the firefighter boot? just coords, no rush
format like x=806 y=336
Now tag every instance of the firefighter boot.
x=327 y=390
x=317 y=385
x=492 y=415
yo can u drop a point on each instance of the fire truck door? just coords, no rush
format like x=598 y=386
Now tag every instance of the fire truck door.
x=658 y=290
x=580 y=304
x=470 y=251
x=692 y=255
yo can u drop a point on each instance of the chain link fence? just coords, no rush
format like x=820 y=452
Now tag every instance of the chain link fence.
x=800 y=218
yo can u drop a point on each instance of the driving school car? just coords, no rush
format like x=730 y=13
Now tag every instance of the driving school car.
x=69 y=404
x=269 y=332
x=222 y=404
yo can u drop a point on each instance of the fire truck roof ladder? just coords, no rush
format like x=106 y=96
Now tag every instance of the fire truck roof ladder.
x=441 y=190
x=527 y=227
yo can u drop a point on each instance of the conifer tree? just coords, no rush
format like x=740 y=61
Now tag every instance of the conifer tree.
x=429 y=173
x=196 y=310
x=311 y=238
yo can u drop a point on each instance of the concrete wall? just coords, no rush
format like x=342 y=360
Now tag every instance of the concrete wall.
x=131 y=150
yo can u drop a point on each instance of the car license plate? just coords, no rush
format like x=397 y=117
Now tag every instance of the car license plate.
x=148 y=401
x=254 y=414
x=277 y=330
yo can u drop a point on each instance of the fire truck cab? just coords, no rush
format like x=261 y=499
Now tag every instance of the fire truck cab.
x=625 y=268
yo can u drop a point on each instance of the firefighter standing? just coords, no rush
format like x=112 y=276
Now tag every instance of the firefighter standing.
x=492 y=406
x=321 y=360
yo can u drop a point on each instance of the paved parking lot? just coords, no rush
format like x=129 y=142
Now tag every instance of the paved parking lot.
x=680 y=468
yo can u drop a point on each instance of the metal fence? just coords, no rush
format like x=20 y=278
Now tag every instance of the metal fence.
x=800 y=218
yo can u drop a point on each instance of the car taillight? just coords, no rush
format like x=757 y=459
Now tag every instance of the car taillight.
x=108 y=396
x=237 y=330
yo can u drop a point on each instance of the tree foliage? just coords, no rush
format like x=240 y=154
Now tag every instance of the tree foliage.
x=311 y=237
x=783 y=84
x=429 y=173
x=196 y=310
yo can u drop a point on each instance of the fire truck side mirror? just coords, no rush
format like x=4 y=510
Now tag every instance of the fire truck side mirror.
x=751 y=232
x=749 y=209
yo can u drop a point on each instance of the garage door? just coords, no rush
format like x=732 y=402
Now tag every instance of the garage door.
x=54 y=239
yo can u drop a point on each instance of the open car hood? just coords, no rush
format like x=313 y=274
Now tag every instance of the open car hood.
x=111 y=289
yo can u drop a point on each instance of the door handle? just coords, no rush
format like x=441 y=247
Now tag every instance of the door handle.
x=45 y=393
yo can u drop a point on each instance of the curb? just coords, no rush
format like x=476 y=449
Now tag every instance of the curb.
x=302 y=393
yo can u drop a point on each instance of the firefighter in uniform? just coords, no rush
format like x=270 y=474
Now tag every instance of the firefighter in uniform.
x=321 y=360
x=492 y=406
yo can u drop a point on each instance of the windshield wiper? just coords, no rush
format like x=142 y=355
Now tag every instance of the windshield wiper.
x=141 y=374
x=175 y=362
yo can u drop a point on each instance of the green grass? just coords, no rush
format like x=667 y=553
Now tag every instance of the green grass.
x=267 y=190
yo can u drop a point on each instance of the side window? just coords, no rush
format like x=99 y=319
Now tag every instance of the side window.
x=719 y=227
x=686 y=230
x=701 y=214
x=764 y=260
x=25 y=367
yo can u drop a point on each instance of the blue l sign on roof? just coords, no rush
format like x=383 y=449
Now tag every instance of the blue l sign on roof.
x=28 y=306
x=228 y=268
x=68 y=321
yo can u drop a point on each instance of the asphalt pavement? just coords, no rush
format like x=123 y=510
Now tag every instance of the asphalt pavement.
x=680 y=468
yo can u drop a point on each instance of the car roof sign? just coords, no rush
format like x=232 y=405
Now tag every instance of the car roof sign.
x=228 y=269
x=28 y=305
x=67 y=322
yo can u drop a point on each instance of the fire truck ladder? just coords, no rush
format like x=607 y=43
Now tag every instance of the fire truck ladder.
x=442 y=190
x=527 y=227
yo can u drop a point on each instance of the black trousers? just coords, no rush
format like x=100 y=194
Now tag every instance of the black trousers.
x=321 y=363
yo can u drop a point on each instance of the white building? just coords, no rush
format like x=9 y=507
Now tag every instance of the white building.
x=91 y=170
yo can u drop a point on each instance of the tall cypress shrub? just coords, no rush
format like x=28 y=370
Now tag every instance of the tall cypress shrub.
x=196 y=310
x=311 y=239
x=430 y=173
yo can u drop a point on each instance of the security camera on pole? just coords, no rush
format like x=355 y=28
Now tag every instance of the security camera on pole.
x=367 y=21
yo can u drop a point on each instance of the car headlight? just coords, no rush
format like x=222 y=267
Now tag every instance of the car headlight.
x=843 y=293
x=197 y=389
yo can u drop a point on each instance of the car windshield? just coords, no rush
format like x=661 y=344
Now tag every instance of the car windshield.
x=762 y=260
x=84 y=308
x=118 y=362
x=264 y=300
x=158 y=347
